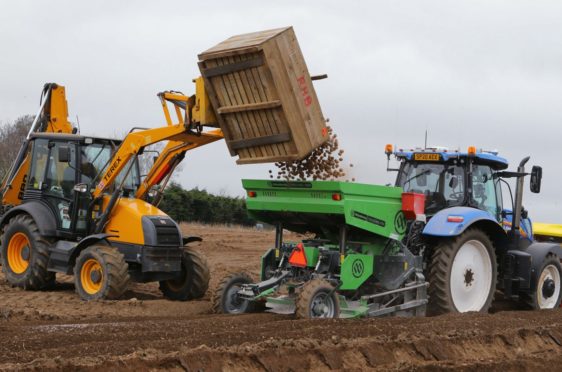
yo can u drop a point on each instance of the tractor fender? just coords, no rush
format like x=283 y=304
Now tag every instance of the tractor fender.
x=41 y=214
x=439 y=225
x=63 y=253
x=538 y=252
x=86 y=242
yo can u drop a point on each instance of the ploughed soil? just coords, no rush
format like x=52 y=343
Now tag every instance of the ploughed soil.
x=55 y=330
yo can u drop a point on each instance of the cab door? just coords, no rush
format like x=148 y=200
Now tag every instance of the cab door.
x=53 y=176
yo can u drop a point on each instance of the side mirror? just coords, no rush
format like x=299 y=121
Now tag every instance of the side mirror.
x=64 y=154
x=536 y=177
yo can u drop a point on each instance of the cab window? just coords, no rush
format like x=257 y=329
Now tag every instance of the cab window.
x=95 y=159
x=485 y=190
x=442 y=184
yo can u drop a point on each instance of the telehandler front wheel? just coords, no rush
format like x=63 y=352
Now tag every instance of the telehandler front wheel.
x=226 y=300
x=193 y=281
x=547 y=293
x=317 y=299
x=25 y=254
x=462 y=274
x=101 y=272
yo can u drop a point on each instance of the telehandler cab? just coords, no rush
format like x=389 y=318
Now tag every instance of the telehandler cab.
x=77 y=205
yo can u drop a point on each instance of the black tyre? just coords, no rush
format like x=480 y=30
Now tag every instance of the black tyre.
x=193 y=281
x=101 y=272
x=462 y=274
x=25 y=254
x=317 y=299
x=547 y=292
x=225 y=299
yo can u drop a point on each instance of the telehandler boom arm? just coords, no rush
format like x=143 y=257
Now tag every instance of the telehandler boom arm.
x=191 y=113
x=135 y=142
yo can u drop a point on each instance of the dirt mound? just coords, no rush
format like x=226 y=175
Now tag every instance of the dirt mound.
x=55 y=330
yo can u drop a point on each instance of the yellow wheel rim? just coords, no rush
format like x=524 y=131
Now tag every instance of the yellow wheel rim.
x=19 y=252
x=91 y=276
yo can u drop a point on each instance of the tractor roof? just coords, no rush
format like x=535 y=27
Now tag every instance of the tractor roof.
x=71 y=137
x=490 y=158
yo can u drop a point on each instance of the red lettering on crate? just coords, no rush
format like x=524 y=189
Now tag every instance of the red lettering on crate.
x=304 y=90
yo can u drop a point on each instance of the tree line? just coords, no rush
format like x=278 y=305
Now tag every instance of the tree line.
x=200 y=206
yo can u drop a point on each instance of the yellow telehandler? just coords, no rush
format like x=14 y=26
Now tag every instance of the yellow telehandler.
x=77 y=205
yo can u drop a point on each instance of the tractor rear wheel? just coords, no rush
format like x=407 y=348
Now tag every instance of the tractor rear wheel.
x=547 y=293
x=317 y=299
x=101 y=272
x=193 y=281
x=462 y=274
x=25 y=254
x=226 y=300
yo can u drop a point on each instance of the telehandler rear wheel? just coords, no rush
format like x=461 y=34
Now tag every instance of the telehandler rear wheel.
x=547 y=292
x=101 y=272
x=225 y=299
x=25 y=254
x=317 y=299
x=194 y=279
x=462 y=274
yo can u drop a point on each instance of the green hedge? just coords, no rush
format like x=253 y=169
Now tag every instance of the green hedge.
x=199 y=206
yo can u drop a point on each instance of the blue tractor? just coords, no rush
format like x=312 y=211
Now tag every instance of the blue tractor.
x=472 y=245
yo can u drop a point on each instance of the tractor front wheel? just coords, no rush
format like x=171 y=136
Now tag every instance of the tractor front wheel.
x=462 y=274
x=193 y=281
x=25 y=254
x=100 y=273
x=317 y=299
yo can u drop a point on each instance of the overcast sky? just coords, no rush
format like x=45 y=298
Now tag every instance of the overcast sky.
x=483 y=73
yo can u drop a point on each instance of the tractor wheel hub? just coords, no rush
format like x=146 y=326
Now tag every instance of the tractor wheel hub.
x=95 y=276
x=25 y=253
x=468 y=277
x=548 y=288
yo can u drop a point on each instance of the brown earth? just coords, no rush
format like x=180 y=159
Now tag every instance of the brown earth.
x=54 y=330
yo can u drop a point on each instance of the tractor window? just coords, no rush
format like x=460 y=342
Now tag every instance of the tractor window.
x=38 y=163
x=95 y=159
x=442 y=184
x=61 y=175
x=484 y=193
x=132 y=182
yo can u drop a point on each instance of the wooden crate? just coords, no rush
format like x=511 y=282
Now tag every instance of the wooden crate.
x=261 y=91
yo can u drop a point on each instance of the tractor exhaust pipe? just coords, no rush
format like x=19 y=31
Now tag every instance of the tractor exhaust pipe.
x=518 y=204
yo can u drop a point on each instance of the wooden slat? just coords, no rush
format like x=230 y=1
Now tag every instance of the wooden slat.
x=212 y=92
x=248 y=88
x=262 y=115
x=252 y=127
x=249 y=107
x=233 y=121
x=260 y=141
x=243 y=119
x=232 y=67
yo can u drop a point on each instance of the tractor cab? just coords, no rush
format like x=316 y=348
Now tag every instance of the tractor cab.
x=64 y=168
x=471 y=179
x=452 y=179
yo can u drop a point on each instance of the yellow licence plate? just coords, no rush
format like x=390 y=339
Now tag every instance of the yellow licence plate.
x=427 y=157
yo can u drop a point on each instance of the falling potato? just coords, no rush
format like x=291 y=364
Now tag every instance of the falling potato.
x=324 y=163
